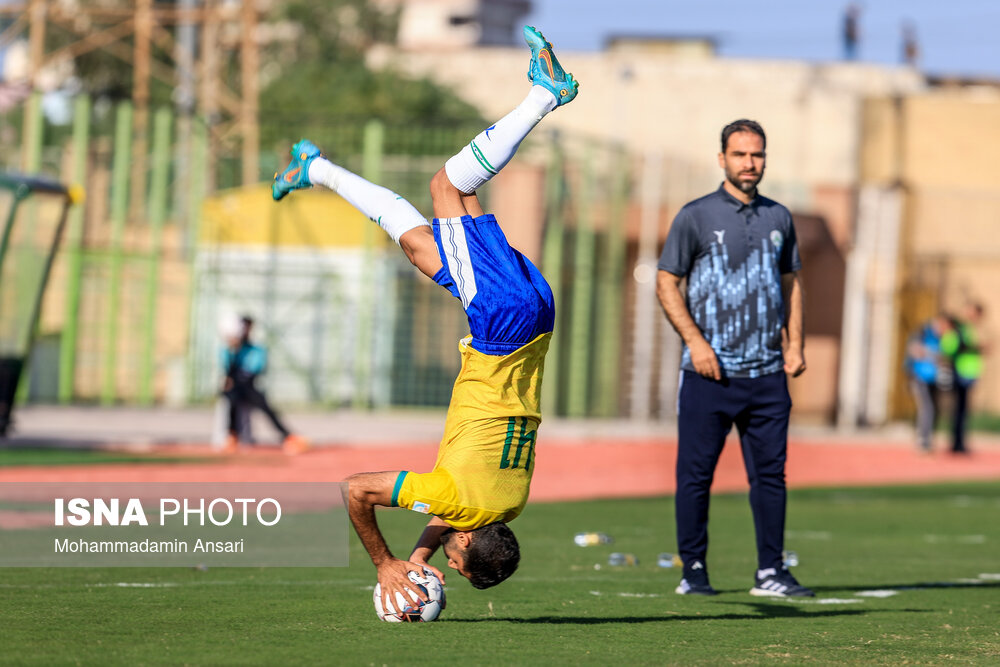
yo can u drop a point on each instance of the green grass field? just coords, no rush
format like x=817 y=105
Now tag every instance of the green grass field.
x=934 y=550
x=38 y=456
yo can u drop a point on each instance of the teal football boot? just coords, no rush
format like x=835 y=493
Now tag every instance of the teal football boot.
x=545 y=70
x=296 y=174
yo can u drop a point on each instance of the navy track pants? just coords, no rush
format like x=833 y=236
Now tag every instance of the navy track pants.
x=707 y=410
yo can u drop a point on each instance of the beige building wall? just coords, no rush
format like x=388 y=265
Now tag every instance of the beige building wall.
x=676 y=102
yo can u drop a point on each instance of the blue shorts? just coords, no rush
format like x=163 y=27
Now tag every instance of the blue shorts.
x=505 y=297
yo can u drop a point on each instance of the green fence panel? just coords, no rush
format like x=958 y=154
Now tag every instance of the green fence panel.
x=119 y=212
x=371 y=169
x=553 y=247
x=74 y=255
x=611 y=296
x=582 y=307
x=157 y=215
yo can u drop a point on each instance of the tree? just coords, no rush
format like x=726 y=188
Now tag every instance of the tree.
x=320 y=77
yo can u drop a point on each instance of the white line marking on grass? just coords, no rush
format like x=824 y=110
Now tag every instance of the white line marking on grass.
x=990 y=576
x=628 y=595
x=876 y=594
x=822 y=535
x=122 y=584
x=184 y=584
x=959 y=539
x=826 y=600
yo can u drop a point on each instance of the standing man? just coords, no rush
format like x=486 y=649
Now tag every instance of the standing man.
x=928 y=374
x=485 y=461
x=962 y=347
x=741 y=322
x=244 y=362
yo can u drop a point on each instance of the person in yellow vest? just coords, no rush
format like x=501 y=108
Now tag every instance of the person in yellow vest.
x=962 y=345
x=484 y=465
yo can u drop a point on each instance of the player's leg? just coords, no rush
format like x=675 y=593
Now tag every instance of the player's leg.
x=257 y=399
x=232 y=443
x=705 y=410
x=400 y=220
x=925 y=411
x=764 y=438
x=454 y=186
x=514 y=302
x=960 y=412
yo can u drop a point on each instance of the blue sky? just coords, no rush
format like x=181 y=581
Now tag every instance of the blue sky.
x=956 y=37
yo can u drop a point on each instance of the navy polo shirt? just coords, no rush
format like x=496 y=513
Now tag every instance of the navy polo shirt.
x=733 y=255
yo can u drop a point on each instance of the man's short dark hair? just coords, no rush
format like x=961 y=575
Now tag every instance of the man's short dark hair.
x=492 y=555
x=742 y=125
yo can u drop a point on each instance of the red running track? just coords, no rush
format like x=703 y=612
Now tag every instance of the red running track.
x=564 y=470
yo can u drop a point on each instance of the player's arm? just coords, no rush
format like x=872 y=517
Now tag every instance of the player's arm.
x=428 y=544
x=668 y=290
x=791 y=287
x=364 y=491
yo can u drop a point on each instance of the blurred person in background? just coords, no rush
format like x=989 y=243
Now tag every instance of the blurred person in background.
x=929 y=374
x=851 y=31
x=244 y=362
x=962 y=345
x=741 y=321
x=911 y=46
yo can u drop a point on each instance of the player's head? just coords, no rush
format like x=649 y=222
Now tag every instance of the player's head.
x=485 y=556
x=743 y=154
x=246 y=325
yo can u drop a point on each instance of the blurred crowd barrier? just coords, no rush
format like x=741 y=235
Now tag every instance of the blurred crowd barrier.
x=149 y=269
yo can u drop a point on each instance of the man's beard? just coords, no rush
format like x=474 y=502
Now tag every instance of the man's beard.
x=746 y=187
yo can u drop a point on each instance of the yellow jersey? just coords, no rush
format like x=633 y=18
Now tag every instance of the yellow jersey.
x=487 y=455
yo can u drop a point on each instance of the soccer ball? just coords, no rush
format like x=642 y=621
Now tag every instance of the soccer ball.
x=413 y=610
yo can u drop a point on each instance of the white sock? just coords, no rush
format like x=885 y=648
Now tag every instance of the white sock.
x=493 y=148
x=382 y=206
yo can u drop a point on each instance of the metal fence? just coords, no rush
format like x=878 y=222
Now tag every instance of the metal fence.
x=136 y=293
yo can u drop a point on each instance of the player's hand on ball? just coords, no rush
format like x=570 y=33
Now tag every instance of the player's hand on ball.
x=393 y=577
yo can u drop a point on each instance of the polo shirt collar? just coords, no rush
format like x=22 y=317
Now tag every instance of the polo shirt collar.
x=736 y=203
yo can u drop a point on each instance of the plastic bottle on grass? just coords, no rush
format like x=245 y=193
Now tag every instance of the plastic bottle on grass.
x=592 y=539
x=668 y=560
x=623 y=559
